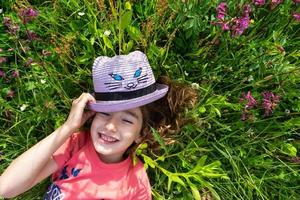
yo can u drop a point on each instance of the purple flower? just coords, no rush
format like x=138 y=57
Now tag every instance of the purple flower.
x=259 y=2
x=27 y=15
x=12 y=27
x=276 y=2
x=221 y=10
x=240 y=25
x=270 y=101
x=247 y=10
x=2 y=73
x=15 y=73
x=31 y=35
x=28 y=62
x=297 y=16
x=3 y=59
x=251 y=102
x=7 y=22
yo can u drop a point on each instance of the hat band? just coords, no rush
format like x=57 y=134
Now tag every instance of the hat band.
x=115 y=96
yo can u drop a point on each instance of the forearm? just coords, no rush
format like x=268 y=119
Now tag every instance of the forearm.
x=22 y=172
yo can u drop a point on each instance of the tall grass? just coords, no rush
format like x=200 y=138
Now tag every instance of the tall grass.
x=243 y=145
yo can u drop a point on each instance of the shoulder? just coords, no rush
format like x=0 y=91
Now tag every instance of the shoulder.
x=141 y=181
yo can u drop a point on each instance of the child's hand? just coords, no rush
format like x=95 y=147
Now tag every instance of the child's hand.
x=77 y=116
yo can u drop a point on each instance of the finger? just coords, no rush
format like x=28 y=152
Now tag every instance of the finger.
x=86 y=98
x=88 y=115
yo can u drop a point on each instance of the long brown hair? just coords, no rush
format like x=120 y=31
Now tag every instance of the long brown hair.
x=166 y=115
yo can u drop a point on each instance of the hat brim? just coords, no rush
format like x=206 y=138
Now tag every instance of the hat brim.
x=115 y=106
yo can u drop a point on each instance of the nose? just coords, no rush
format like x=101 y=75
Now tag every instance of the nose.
x=111 y=125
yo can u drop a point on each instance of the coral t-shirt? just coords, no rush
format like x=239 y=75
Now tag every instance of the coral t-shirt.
x=82 y=175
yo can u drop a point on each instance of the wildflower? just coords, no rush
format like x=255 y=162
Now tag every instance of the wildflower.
x=248 y=97
x=31 y=35
x=107 y=32
x=1 y=49
x=270 y=101
x=1 y=10
x=43 y=81
x=296 y=1
x=247 y=10
x=29 y=62
x=46 y=53
x=23 y=107
x=10 y=94
x=3 y=59
x=14 y=28
x=81 y=13
x=297 y=16
x=15 y=74
x=276 y=2
x=221 y=10
x=2 y=73
x=10 y=49
x=7 y=22
x=259 y=2
x=240 y=25
x=28 y=15
x=195 y=86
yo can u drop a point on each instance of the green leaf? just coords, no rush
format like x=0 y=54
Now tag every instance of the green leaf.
x=125 y=19
x=195 y=191
x=134 y=32
x=107 y=42
x=289 y=149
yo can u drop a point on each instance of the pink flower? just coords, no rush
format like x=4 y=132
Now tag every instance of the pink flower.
x=240 y=25
x=297 y=16
x=251 y=102
x=259 y=2
x=247 y=10
x=28 y=62
x=15 y=74
x=7 y=22
x=296 y=1
x=276 y=2
x=270 y=101
x=28 y=15
x=3 y=59
x=2 y=73
x=46 y=53
x=31 y=35
x=10 y=94
x=221 y=10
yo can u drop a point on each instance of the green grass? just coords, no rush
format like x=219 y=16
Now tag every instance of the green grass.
x=220 y=154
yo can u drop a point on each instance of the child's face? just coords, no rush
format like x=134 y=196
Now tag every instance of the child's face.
x=113 y=133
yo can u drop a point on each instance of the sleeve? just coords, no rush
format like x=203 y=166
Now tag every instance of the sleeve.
x=144 y=188
x=65 y=152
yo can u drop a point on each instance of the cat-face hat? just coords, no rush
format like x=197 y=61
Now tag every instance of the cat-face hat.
x=124 y=82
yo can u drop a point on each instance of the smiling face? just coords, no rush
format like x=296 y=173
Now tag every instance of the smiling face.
x=112 y=133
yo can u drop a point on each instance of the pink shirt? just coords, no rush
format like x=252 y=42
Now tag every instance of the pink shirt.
x=82 y=175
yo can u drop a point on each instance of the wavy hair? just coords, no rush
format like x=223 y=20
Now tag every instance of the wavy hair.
x=166 y=115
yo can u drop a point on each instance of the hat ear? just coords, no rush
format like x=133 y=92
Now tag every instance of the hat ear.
x=99 y=61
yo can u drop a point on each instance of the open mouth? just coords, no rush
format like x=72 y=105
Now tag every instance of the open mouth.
x=107 y=139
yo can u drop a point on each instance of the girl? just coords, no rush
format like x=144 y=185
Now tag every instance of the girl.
x=97 y=164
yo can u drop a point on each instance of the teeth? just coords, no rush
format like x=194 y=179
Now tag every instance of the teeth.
x=108 y=138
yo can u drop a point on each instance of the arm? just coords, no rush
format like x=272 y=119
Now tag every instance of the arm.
x=36 y=163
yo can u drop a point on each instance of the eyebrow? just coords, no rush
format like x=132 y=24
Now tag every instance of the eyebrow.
x=132 y=114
